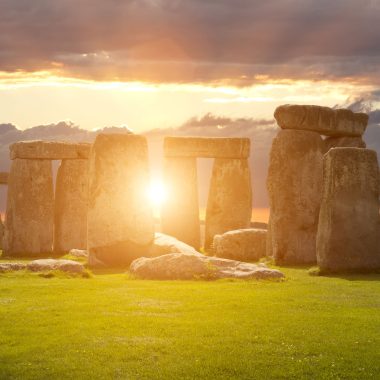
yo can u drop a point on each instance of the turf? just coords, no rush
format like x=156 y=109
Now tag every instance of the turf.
x=114 y=327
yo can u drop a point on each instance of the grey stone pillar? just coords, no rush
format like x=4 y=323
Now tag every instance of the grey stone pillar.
x=180 y=212
x=71 y=201
x=229 y=205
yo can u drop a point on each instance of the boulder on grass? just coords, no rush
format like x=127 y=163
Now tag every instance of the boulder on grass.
x=164 y=244
x=10 y=267
x=78 y=253
x=246 y=244
x=55 y=264
x=182 y=266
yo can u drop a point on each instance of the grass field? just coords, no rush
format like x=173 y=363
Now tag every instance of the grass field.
x=113 y=327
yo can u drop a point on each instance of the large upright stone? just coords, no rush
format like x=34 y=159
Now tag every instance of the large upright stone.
x=349 y=224
x=71 y=201
x=1 y=234
x=229 y=205
x=30 y=208
x=295 y=187
x=324 y=120
x=180 y=212
x=120 y=219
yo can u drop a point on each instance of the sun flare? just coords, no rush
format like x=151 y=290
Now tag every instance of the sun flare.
x=157 y=193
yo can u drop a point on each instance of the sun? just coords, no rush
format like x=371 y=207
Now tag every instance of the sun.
x=157 y=193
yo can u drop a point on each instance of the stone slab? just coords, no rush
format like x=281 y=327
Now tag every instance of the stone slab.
x=324 y=120
x=207 y=147
x=49 y=150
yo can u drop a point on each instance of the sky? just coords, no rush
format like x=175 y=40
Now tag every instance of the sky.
x=201 y=67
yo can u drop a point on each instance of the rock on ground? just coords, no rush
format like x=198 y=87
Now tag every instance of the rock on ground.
x=55 y=264
x=349 y=222
x=10 y=267
x=324 y=120
x=78 y=252
x=295 y=183
x=245 y=244
x=164 y=244
x=182 y=266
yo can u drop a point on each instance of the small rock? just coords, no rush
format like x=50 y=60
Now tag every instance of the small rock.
x=78 y=253
x=164 y=244
x=245 y=244
x=55 y=264
x=181 y=266
x=10 y=267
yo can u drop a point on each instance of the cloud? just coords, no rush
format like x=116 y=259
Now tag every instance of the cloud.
x=192 y=40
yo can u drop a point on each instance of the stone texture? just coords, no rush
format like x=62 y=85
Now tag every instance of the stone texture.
x=229 y=205
x=43 y=265
x=340 y=142
x=11 y=267
x=4 y=178
x=71 y=202
x=324 y=120
x=49 y=150
x=164 y=244
x=295 y=183
x=207 y=147
x=349 y=225
x=181 y=266
x=78 y=252
x=1 y=234
x=30 y=208
x=180 y=211
x=120 y=218
x=244 y=245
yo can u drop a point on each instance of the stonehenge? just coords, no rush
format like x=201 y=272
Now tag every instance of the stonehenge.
x=120 y=224
x=349 y=222
x=230 y=187
x=3 y=181
x=36 y=219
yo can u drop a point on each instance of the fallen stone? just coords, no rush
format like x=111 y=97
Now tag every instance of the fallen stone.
x=182 y=266
x=164 y=244
x=120 y=219
x=78 y=253
x=4 y=178
x=244 y=245
x=43 y=265
x=180 y=212
x=29 y=220
x=49 y=150
x=229 y=204
x=341 y=142
x=11 y=267
x=295 y=183
x=324 y=120
x=71 y=202
x=207 y=147
x=349 y=223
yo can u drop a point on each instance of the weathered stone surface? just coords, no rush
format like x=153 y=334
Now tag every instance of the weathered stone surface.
x=295 y=183
x=55 y=264
x=120 y=218
x=181 y=266
x=349 y=225
x=229 y=205
x=30 y=208
x=244 y=245
x=340 y=142
x=4 y=178
x=11 y=267
x=49 y=150
x=207 y=147
x=1 y=234
x=78 y=252
x=164 y=244
x=324 y=120
x=180 y=211
x=71 y=202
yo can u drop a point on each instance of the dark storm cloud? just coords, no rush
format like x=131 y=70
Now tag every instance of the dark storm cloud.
x=192 y=40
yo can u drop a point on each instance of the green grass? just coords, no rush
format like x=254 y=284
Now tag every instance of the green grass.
x=113 y=327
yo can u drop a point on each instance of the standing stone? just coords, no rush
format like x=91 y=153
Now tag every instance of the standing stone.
x=30 y=208
x=120 y=218
x=1 y=234
x=295 y=187
x=229 y=205
x=342 y=142
x=71 y=199
x=349 y=224
x=180 y=212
